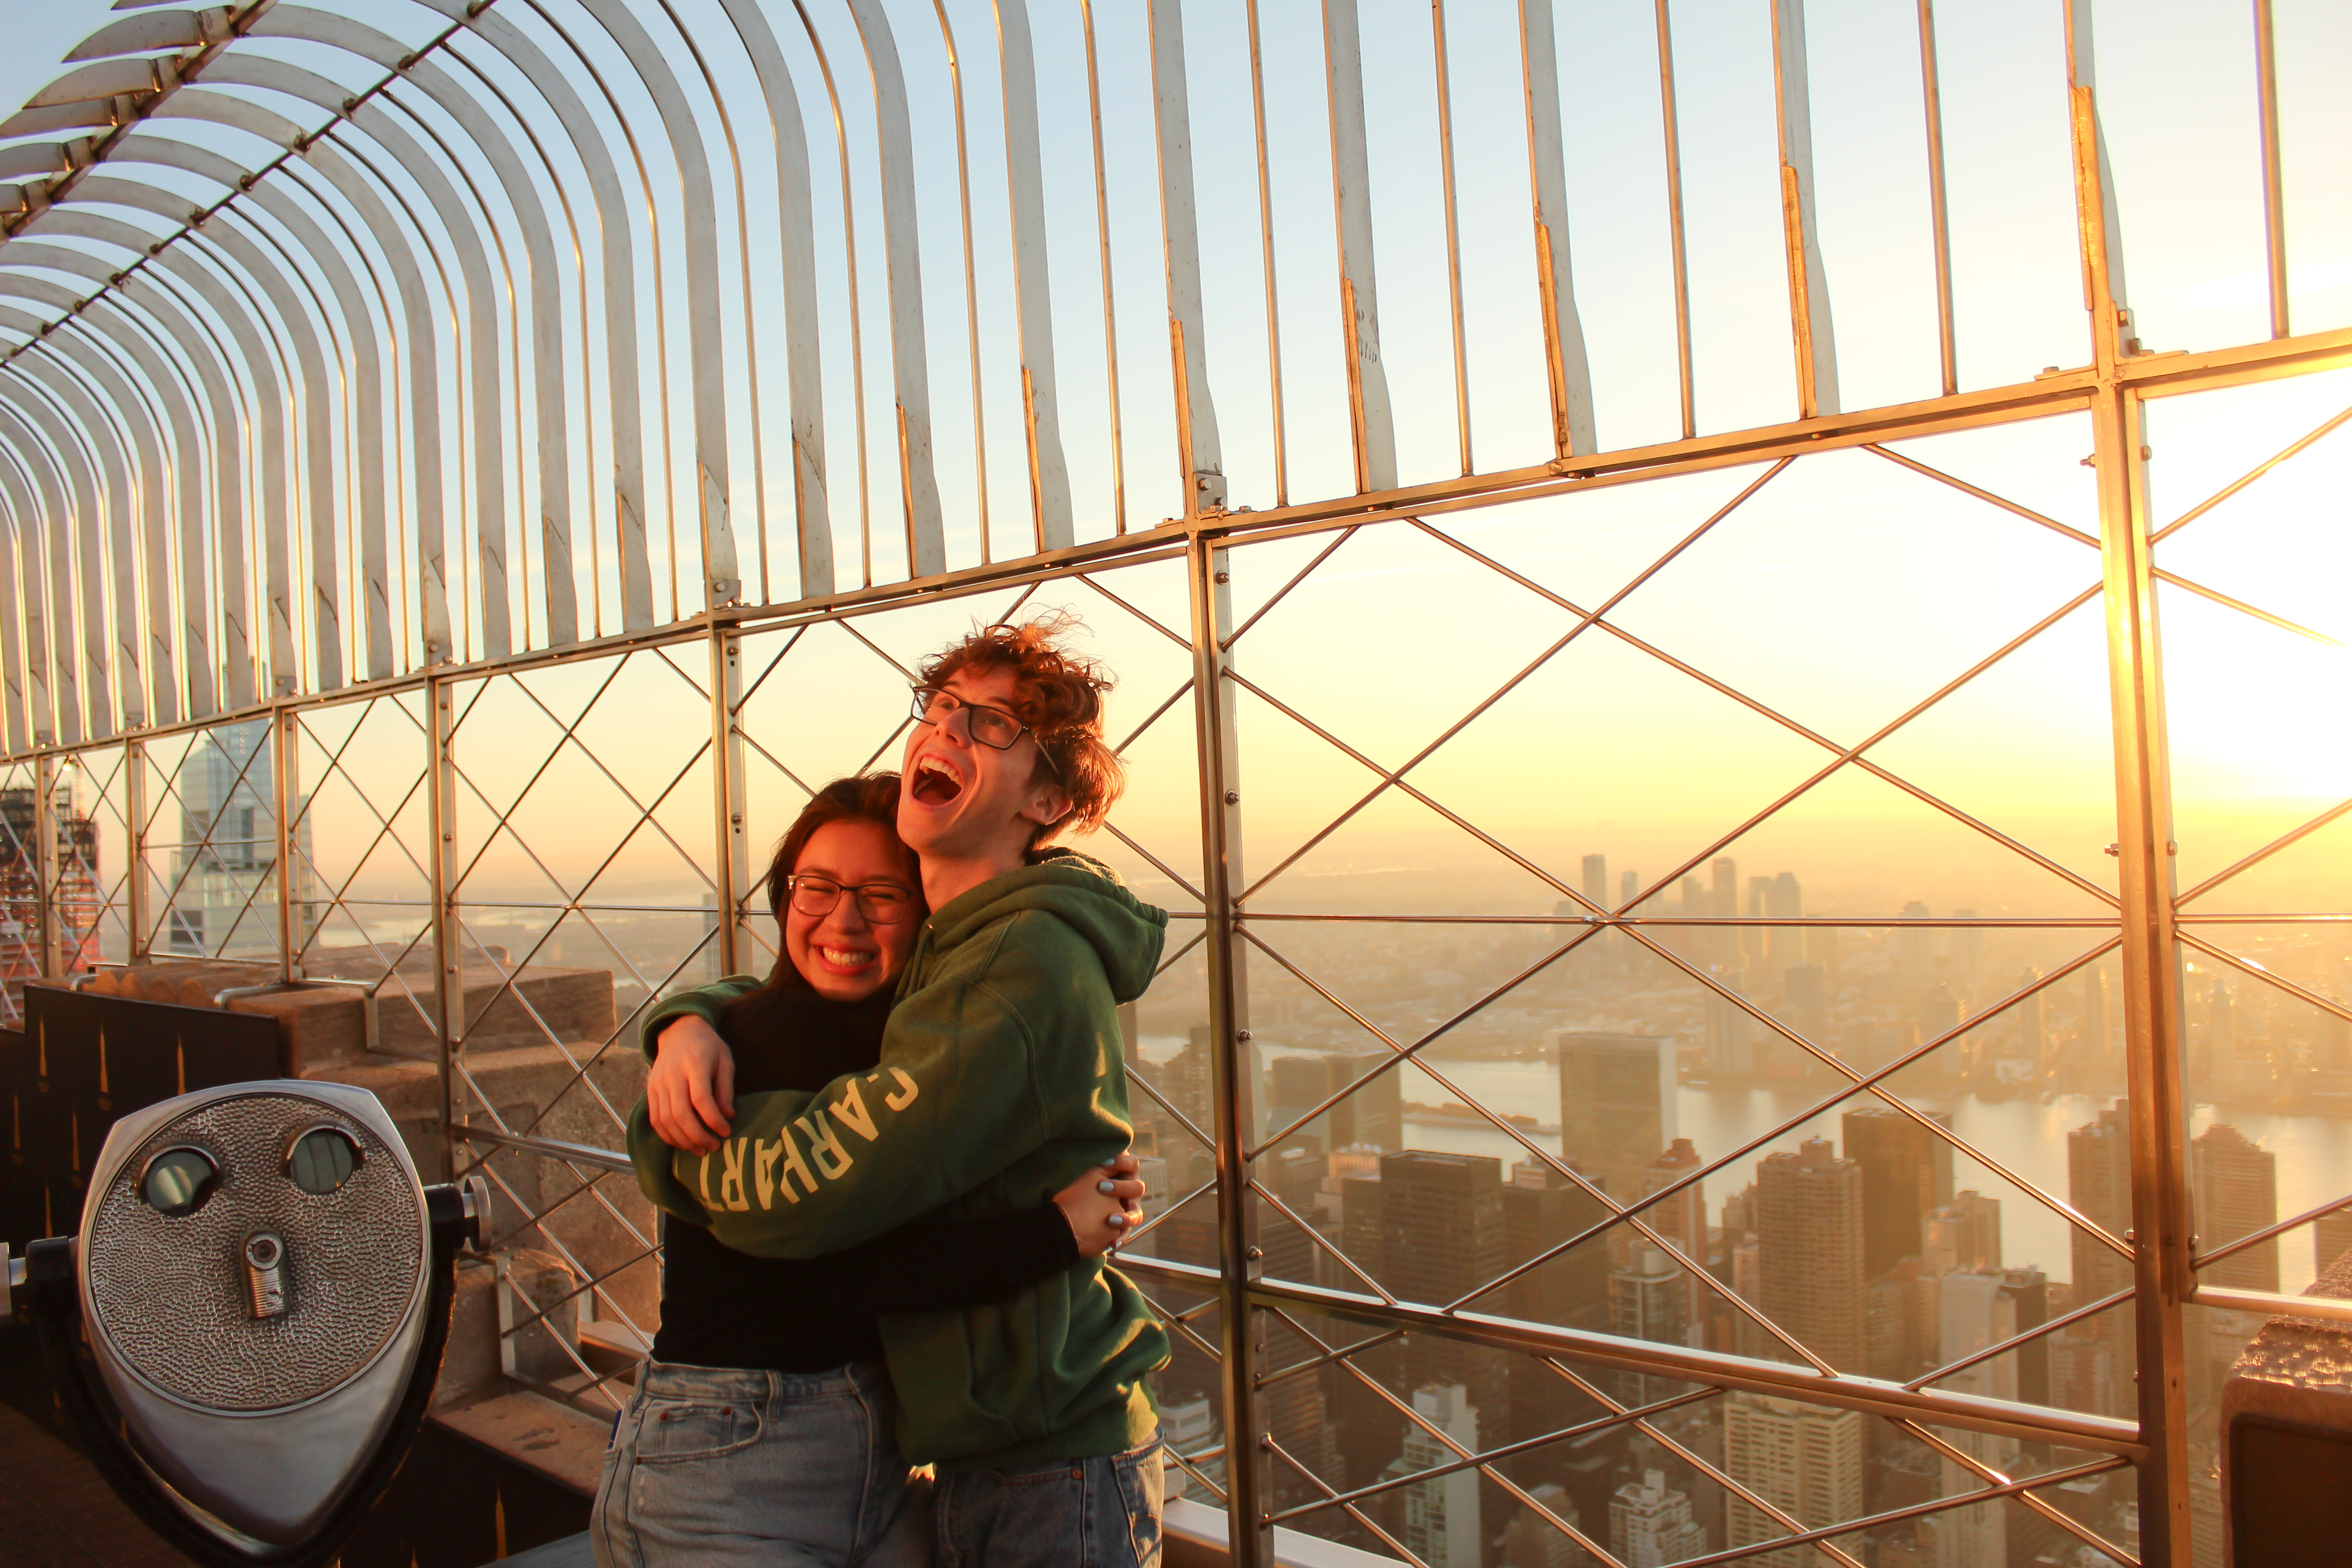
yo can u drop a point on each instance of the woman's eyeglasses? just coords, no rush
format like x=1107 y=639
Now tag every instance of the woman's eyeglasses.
x=882 y=903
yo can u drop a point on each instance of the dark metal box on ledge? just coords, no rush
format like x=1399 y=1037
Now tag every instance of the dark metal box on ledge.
x=2286 y=1440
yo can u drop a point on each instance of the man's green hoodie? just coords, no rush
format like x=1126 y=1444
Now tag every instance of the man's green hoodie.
x=1001 y=1080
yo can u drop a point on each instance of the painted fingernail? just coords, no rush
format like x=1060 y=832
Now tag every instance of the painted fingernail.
x=1104 y=1187
x=1118 y=1221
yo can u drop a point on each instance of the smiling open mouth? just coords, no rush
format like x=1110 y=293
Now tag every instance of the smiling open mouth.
x=848 y=958
x=935 y=782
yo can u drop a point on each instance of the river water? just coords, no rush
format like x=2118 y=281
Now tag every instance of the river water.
x=2028 y=1136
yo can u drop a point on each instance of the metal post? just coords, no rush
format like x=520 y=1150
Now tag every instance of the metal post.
x=45 y=859
x=441 y=794
x=1247 y=1463
x=281 y=783
x=734 y=868
x=134 y=807
x=2152 y=995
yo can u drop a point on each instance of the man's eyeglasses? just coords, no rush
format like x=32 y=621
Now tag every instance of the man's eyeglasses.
x=991 y=727
x=882 y=903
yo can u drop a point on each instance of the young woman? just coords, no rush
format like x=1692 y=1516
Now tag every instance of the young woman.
x=761 y=1430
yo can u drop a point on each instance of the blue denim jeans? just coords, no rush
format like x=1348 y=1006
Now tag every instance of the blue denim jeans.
x=782 y=1469
x=1072 y=1513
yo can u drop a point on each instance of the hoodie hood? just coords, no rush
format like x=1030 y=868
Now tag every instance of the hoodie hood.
x=1081 y=892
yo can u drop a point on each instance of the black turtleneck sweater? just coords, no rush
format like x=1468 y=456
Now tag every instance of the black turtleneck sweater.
x=724 y=1308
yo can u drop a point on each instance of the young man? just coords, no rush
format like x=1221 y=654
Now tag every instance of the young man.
x=1002 y=1079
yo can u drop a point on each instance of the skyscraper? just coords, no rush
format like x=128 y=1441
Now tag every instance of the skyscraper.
x=1785 y=900
x=1730 y=1053
x=1681 y=1218
x=1649 y=1299
x=1979 y=1311
x=1649 y=1525
x=1616 y=1104
x=1906 y=1171
x=1441 y=1238
x=1754 y=941
x=228 y=854
x=1725 y=903
x=1441 y=1513
x=1804 y=1001
x=1809 y=1229
x=1804 y=1459
x=1629 y=888
x=2331 y=1238
x=1963 y=1234
x=2234 y=1181
x=1596 y=881
x=1913 y=944
x=2098 y=1183
x=1542 y=1209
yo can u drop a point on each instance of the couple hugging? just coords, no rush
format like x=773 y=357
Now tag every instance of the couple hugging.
x=889 y=1172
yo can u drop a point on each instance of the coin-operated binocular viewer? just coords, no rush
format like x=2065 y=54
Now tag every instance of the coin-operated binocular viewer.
x=263 y=1285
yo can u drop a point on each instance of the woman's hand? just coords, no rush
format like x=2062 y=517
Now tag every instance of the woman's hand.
x=690 y=1093
x=1102 y=1205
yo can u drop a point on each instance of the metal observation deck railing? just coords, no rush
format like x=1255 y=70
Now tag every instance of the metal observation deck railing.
x=416 y=572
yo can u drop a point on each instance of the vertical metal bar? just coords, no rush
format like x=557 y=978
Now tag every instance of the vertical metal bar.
x=1265 y=243
x=1672 y=117
x=45 y=859
x=1809 y=292
x=1102 y=235
x=1359 y=311
x=2273 y=180
x=734 y=860
x=441 y=804
x=1199 y=453
x=971 y=273
x=1452 y=229
x=283 y=726
x=1234 y=1087
x=1049 y=474
x=134 y=850
x=1564 y=357
x=1931 y=93
x=2151 y=974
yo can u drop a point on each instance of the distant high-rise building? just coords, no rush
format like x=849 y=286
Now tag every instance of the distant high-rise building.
x=1617 y=1103
x=1371 y=1115
x=1649 y=1525
x=1596 y=881
x=1681 y=1218
x=1441 y=1237
x=1804 y=1001
x=1968 y=956
x=1906 y=1171
x=1532 y=1541
x=2027 y=1289
x=2098 y=1183
x=1730 y=1051
x=1979 y=1311
x=1804 y=1459
x=2235 y=1182
x=1441 y=1513
x=1541 y=1209
x=228 y=862
x=2331 y=1238
x=1913 y=944
x=1695 y=944
x=1629 y=888
x=1649 y=1299
x=2094 y=1012
x=1810 y=1228
x=1963 y=1234
x=1725 y=901
x=1899 y=1321
x=1756 y=940
x=1785 y=900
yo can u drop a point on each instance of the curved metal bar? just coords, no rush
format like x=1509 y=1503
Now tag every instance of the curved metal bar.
x=546 y=296
x=191 y=447
x=270 y=395
x=796 y=255
x=93 y=718
x=1199 y=454
x=1360 y=316
x=56 y=706
x=480 y=347
x=1809 y=289
x=1564 y=358
x=909 y=360
x=722 y=581
x=1049 y=474
x=28 y=699
x=231 y=424
x=155 y=490
x=619 y=268
x=317 y=396
x=95 y=462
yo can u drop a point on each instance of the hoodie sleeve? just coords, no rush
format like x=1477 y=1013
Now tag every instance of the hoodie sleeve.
x=705 y=1002
x=967 y=1085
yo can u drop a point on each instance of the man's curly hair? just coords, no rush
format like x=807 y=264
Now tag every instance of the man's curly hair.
x=1059 y=695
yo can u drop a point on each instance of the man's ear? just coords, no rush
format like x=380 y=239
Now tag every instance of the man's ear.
x=1049 y=803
